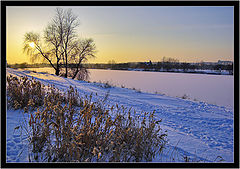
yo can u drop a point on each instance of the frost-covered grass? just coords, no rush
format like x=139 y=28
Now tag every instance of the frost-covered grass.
x=67 y=128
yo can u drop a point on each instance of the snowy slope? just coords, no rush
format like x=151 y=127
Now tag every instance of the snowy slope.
x=196 y=129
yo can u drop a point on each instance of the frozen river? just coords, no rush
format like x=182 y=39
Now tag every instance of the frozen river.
x=213 y=89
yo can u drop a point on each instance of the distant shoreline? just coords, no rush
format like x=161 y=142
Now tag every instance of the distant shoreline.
x=210 y=72
x=171 y=66
x=207 y=72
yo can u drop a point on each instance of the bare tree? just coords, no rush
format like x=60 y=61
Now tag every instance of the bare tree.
x=70 y=23
x=62 y=45
x=82 y=50
x=34 y=47
x=170 y=60
x=61 y=34
x=53 y=36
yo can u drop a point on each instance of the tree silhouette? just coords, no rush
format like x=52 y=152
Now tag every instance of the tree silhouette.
x=82 y=50
x=60 y=44
x=34 y=48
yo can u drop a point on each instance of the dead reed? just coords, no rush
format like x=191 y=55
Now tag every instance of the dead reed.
x=67 y=128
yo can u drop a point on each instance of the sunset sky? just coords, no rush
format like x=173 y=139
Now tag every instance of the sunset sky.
x=133 y=34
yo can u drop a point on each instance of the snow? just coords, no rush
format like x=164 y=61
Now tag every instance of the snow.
x=16 y=141
x=215 y=89
x=199 y=130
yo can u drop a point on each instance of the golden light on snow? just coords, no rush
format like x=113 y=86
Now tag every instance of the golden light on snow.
x=32 y=44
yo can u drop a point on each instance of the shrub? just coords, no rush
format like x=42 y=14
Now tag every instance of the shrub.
x=104 y=84
x=63 y=134
x=137 y=90
x=185 y=96
x=23 y=92
x=29 y=93
x=107 y=85
x=83 y=73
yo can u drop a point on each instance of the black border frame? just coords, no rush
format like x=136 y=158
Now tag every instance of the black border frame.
x=235 y=4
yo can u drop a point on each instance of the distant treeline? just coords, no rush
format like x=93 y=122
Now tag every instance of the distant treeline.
x=164 y=66
x=26 y=65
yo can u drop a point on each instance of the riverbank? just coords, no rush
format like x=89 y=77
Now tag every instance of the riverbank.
x=195 y=129
x=214 y=89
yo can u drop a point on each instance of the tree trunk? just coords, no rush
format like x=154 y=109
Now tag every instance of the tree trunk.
x=57 y=72
x=78 y=66
x=66 y=57
x=75 y=73
x=66 y=69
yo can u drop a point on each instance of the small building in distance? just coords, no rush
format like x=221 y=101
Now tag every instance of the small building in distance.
x=221 y=62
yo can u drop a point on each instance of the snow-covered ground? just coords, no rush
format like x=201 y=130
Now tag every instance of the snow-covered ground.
x=199 y=130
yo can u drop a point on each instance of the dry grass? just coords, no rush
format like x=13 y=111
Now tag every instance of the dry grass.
x=23 y=92
x=67 y=128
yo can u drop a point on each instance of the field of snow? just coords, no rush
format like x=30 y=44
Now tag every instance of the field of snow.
x=199 y=130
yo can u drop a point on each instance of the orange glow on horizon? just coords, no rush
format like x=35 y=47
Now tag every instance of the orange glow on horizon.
x=180 y=33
